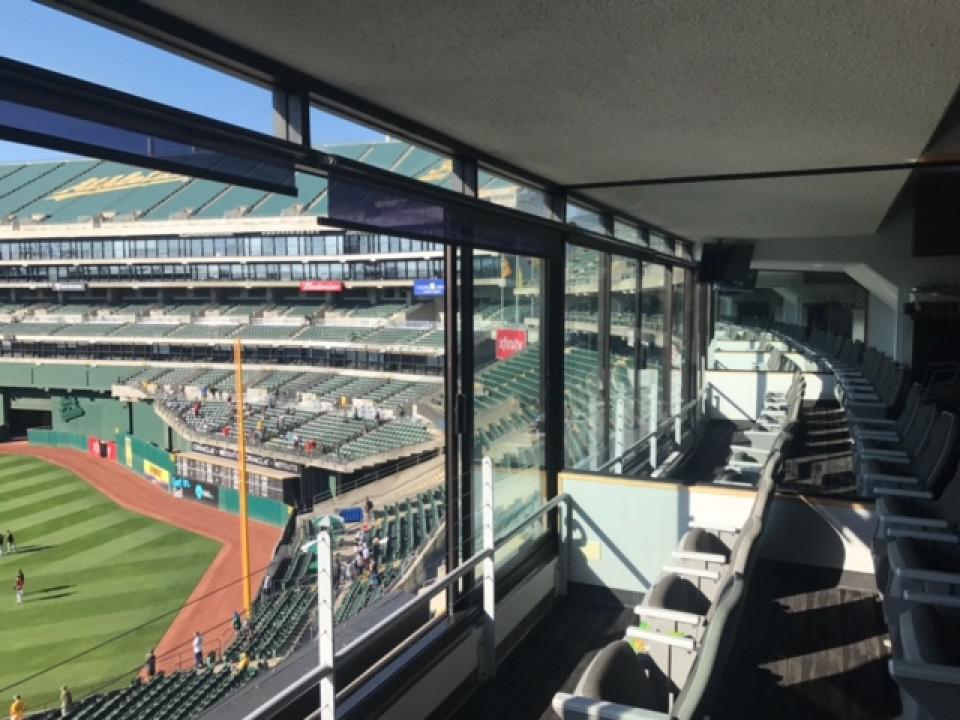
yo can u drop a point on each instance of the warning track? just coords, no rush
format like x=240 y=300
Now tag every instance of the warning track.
x=219 y=586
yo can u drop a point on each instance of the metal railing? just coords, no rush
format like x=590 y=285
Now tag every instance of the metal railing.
x=688 y=417
x=323 y=672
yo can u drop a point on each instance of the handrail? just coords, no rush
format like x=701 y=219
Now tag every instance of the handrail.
x=684 y=409
x=425 y=593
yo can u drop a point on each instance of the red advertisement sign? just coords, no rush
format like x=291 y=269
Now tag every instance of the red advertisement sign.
x=321 y=286
x=510 y=342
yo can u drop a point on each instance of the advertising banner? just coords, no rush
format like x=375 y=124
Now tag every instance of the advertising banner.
x=321 y=286
x=429 y=288
x=510 y=342
x=231 y=454
x=202 y=492
x=156 y=472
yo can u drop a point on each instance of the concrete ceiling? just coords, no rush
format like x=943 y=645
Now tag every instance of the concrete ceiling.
x=584 y=91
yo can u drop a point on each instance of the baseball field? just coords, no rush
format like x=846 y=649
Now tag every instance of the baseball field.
x=93 y=571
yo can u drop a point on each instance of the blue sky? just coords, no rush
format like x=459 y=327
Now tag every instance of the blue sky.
x=56 y=41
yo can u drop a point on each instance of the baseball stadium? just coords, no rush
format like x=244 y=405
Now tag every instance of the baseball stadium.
x=462 y=360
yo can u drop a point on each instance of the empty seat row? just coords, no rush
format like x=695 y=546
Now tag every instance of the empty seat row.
x=775 y=424
x=688 y=624
x=916 y=553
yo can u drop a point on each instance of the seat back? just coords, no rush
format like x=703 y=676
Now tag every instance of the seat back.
x=916 y=434
x=949 y=500
x=896 y=388
x=617 y=674
x=926 y=665
x=930 y=464
x=910 y=406
x=705 y=676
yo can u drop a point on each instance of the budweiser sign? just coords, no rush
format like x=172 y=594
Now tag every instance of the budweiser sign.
x=321 y=286
x=510 y=342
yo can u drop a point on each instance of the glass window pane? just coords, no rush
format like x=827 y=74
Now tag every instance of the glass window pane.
x=584 y=218
x=624 y=422
x=584 y=442
x=338 y=136
x=653 y=300
x=508 y=392
x=509 y=193
x=63 y=43
x=627 y=232
x=659 y=243
x=679 y=354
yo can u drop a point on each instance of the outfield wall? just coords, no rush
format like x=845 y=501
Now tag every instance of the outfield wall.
x=159 y=466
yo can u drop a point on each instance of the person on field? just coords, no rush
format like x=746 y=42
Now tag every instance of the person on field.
x=18 y=709
x=198 y=649
x=18 y=587
x=66 y=701
x=1 y=544
x=237 y=621
x=11 y=543
x=151 y=665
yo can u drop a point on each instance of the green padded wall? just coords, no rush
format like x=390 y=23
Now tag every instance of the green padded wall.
x=101 y=417
x=61 y=376
x=261 y=509
x=16 y=375
x=148 y=426
x=55 y=438
x=229 y=500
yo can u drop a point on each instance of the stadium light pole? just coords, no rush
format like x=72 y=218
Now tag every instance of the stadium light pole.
x=242 y=478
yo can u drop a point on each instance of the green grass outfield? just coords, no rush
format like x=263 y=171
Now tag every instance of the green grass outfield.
x=92 y=570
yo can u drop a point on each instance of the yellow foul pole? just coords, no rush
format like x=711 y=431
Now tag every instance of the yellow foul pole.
x=242 y=478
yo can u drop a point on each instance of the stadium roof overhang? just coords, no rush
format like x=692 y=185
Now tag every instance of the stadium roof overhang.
x=616 y=98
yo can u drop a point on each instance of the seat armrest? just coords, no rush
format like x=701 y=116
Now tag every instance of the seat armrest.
x=934 y=576
x=898 y=457
x=943 y=674
x=700 y=556
x=887 y=478
x=749 y=450
x=677 y=616
x=900 y=492
x=923 y=522
x=575 y=707
x=692 y=572
x=744 y=465
x=927 y=535
x=872 y=422
x=926 y=598
x=684 y=642
x=876 y=435
x=716 y=527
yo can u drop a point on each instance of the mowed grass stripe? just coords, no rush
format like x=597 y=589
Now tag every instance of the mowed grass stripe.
x=63 y=514
x=36 y=475
x=104 y=571
x=23 y=477
x=8 y=461
x=136 y=540
x=120 y=526
x=69 y=630
x=145 y=565
x=14 y=491
x=45 y=500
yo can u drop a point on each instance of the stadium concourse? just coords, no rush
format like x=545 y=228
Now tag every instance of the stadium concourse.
x=218 y=593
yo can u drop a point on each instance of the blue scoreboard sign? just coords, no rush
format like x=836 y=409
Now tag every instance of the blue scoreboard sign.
x=428 y=288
